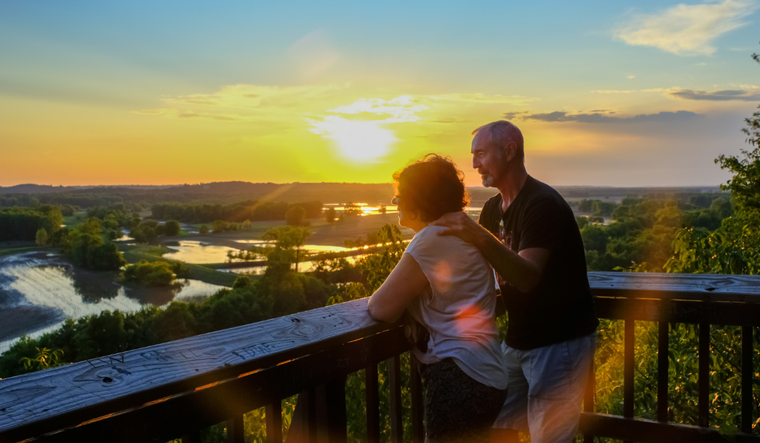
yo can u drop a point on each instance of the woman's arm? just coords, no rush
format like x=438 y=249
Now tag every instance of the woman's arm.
x=405 y=282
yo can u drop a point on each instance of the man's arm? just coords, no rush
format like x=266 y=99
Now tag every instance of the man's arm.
x=522 y=270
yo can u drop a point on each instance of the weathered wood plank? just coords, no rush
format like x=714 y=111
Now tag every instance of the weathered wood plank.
x=637 y=429
x=81 y=391
x=177 y=415
x=678 y=311
x=705 y=287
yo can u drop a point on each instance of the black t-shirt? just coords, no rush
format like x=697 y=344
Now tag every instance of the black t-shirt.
x=560 y=307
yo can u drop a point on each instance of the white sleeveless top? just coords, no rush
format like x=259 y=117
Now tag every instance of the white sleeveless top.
x=458 y=307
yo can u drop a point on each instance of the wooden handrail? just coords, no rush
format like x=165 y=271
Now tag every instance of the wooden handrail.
x=167 y=390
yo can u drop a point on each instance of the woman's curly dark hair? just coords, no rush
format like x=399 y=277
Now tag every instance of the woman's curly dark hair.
x=433 y=185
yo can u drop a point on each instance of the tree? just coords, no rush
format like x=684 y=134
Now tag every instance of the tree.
x=150 y=274
x=203 y=230
x=288 y=241
x=41 y=237
x=330 y=215
x=218 y=226
x=171 y=228
x=295 y=216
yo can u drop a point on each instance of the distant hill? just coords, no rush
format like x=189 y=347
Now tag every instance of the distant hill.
x=237 y=191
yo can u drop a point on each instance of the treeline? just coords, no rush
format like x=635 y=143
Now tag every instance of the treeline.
x=642 y=232
x=237 y=212
x=24 y=223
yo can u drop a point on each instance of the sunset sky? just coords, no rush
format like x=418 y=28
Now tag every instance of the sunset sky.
x=646 y=93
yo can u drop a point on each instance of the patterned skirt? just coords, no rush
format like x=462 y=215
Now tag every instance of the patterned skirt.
x=457 y=408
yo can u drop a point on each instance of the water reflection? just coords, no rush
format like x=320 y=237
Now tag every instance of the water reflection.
x=304 y=266
x=39 y=291
x=198 y=252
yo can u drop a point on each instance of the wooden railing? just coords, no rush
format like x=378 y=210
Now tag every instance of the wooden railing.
x=175 y=389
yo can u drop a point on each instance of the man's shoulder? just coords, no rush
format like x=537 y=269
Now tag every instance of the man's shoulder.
x=542 y=194
x=493 y=203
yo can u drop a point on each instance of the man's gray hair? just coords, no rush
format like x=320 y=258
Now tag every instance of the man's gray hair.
x=503 y=132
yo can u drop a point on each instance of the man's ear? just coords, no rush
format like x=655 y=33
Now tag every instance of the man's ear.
x=510 y=150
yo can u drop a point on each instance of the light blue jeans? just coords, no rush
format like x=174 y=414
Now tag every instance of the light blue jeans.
x=546 y=387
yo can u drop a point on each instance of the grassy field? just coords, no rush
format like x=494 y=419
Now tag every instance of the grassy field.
x=135 y=253
x=323 y=233
x=22 y=247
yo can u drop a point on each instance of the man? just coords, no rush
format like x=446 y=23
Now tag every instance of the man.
x=529 y=235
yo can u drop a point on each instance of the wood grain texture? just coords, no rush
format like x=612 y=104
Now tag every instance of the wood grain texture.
x=704 y=287
x=113 y=383
x=136 y=393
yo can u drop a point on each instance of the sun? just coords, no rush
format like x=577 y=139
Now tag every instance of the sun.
x=358 y=141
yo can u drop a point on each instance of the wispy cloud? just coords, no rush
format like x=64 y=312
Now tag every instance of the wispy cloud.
x=401 y=109
x=687 y=29
x=560 y=116
x=750 y=95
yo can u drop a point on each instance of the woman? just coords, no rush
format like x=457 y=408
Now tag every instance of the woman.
x=448 y=287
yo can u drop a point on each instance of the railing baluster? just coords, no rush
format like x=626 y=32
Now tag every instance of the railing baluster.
x=588 y=397
x=236 y=429
x=418 y=432
x=335 y=399
x=373 y=404
x=273 y=414
x=394 y=371
x=662 y=372
x=628 y=365
x=747 y=373
x=311 y=414
x=704 y=375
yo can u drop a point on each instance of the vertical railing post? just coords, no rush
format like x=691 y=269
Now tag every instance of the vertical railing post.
x=394 y=371
x=703 y=393
x=418 y=432
x=588 y=397
x=629 y=345
x=373 y=404
x=747 y=373
x=662 y=372
x=335 y=408
x=236 y=430
x=273 y=414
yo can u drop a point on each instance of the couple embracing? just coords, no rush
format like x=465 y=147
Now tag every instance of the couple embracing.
x=528 y=241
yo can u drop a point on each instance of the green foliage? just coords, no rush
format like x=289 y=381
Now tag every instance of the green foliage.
x=88 y=250
x=203 y=230
x=296 y=216
x=330 y=215
x=171 y=228
x=284 y=247
x=41 y=238
x=157 y=273
x=44 y=359
x=235 y=213
x=24 y=223
x=219 y=226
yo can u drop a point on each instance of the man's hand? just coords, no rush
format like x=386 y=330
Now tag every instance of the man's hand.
x=462 y=226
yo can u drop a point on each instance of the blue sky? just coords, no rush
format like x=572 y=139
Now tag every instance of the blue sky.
x=606 y=93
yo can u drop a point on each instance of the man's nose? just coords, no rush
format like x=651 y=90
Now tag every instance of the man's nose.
x=475 y=163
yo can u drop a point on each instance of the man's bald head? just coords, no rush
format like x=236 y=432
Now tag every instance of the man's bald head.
x=500 y=133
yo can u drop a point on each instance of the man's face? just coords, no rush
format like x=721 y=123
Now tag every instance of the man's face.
x=487 y=159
